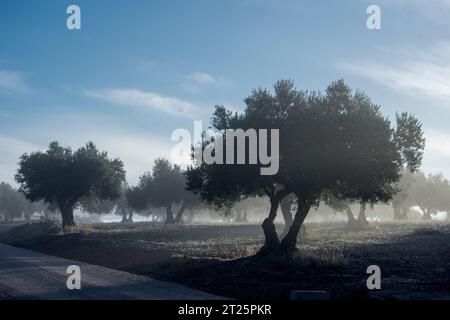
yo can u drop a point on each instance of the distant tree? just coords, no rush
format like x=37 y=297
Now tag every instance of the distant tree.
x=134 y=200
x=12 y=204
x=165 y=188
x=431 y=194
x=411 y=143
x=442 y=195
x=402 y=201
x=64 y=177
x=338 y=143
x=423 y=192
x=92 y=204
x=339 y=205
x=189 y=202
x=29 y=208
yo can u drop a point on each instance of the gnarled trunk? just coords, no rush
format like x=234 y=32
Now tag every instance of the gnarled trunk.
x=362 y=220
x=270 y=233
x=351 y=221
x=285 y=206
x=66 y=209
x=169 y=215
x=288 y=244
x=124 y=216
x=179 y=216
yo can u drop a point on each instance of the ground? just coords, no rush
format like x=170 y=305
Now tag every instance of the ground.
x=414 y=258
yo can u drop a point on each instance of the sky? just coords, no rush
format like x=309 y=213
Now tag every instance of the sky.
x=137 y=70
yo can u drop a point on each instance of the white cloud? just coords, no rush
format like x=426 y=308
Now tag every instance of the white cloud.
x=197 y=81
x=146 y=100
x=12 y=82
x=137 y=153
x=201 y=78
x=420 y=73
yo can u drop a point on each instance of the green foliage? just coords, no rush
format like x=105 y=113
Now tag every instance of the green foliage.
x=14 y=205
x=409 y=139
x=335 y=144
x=62 y=176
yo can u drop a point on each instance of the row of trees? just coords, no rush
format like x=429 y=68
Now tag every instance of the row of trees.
x=164 y=187
x=14 y=205
x=431 y=193
x=89 y=180
x=334 y=147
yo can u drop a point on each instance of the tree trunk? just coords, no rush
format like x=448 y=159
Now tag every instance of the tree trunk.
x=169 y=215
x=270 y=233
x=66 y=208
x=362 y=220
x=426 y=214
x=238 y=214
x=130 y=216
x=285 y=206
x=179 y=216
x=124 y=216
x=351 y=221
x=397 y=213
x=289 y=243
x=405 y=213
x=244 y=215
x=190 y=217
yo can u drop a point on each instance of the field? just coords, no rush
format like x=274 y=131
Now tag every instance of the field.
x=414 y=258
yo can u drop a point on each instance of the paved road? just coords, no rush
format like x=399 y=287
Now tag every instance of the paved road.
x=25 y=274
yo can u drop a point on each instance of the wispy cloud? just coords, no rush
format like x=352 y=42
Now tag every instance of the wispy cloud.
x=419 y=73
x=146 y=100
x=435 y=11
x=137 y=152
x=13 y=82
x=196 y=82
x=201 y=78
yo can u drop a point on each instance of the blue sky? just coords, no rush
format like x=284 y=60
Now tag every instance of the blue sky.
x=137 y=70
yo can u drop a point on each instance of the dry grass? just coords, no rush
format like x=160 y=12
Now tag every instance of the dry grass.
x=414 y=258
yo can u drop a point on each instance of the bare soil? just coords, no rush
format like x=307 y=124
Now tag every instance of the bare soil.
x=414 y=258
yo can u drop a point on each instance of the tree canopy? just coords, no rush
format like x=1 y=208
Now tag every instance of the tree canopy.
x=337 y=143
x=63 y=176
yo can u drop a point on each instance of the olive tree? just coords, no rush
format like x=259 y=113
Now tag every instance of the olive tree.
x=64 y=176
x=337 y=144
